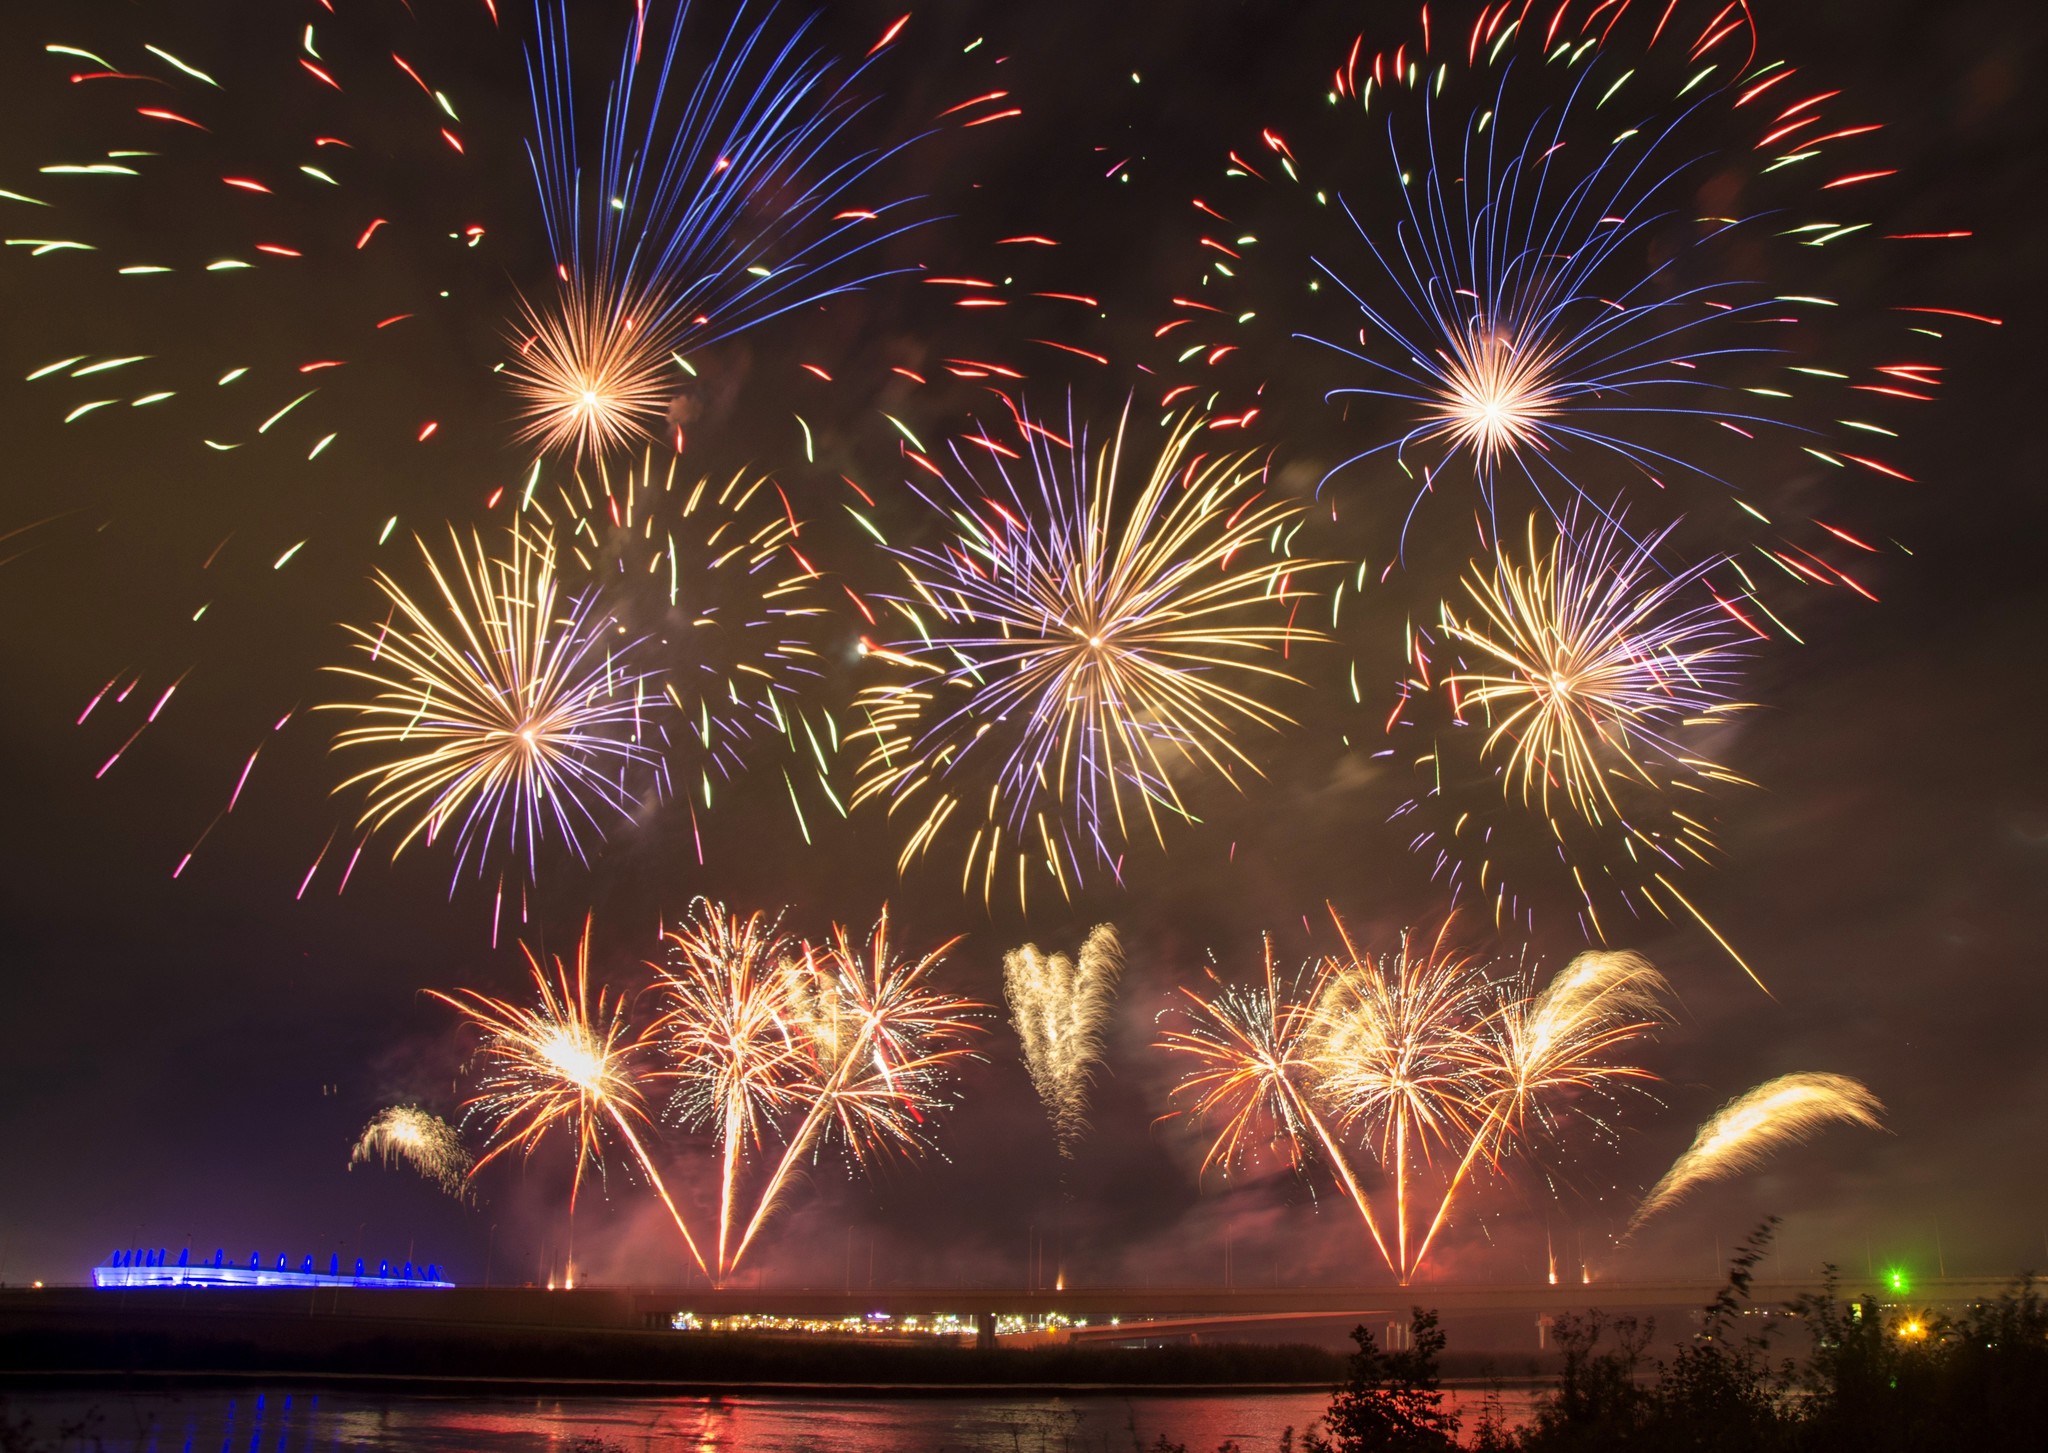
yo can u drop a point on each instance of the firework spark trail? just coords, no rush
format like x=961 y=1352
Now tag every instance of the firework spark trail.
x=1058 y=1006
x=1394 y=1057
x=1555 y=1041
x=1077 y=650
x=727 y=1038
x=1257 y=1070
x=704 y=211
x=880 y=1043
x=496 y=704
x=564 y=1064
x=427 y=1143
x=1745 y=1132
x=1596 y=656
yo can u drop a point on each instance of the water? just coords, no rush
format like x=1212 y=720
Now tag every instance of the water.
x=301 y=1421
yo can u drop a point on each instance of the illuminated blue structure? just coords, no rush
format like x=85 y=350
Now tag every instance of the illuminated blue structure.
x=144 y=1267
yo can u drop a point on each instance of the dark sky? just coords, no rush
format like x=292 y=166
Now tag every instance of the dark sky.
x=188 y=1061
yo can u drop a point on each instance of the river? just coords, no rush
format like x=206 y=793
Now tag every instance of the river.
x=327 y=1421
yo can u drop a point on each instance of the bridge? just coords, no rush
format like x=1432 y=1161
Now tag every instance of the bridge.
x=643 y=1307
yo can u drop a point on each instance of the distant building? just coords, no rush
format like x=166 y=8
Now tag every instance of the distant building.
x=143 y=1267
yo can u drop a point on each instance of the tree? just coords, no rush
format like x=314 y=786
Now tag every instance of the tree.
x=1393 y=1401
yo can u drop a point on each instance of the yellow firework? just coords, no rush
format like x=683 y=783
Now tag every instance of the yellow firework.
x=1399 y=1058
x=496 y=705
x=1588 y=661
x=1057 y=1007
x=591 y=377
x=728 y=1038
x=878 y=1044
x=1078 y=656
x=1257 y=1077
x=565 y=1064
x=1398 y=1055
x=1557 y=1041
x=1742 y=1134
x=427 y=1143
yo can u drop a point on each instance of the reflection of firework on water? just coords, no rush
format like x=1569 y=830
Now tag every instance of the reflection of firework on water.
x=707 y=208
x=1395 y=1057
x=1586 y=660
x=711 y=577
x=498 y=707
x=565 y=1064
x=1058 y=1006
x=772 y=1040
x=1080 y=653
x=1577 y=694
x=427 y=1143
x=1745 y=1132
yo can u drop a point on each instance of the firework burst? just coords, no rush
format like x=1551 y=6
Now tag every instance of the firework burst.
x=564 y=1065
x=1587 y=660
x=495 y=705
x=1077 y=655
x=777 y=1047
x=707 y=208
x=1574 y=268
x=1417 y=1062
x=427 y=1143
x=1057 y=1007
x=1571 y=712
x=1749 y=1129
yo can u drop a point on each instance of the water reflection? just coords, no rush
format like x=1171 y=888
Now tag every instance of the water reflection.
x=330 y=1422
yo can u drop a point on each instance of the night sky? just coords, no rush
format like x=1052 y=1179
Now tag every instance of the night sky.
x=188 y=1062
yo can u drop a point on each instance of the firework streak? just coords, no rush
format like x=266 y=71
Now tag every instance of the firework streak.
x=1753 y=1126
x=1076 y=654
x=1057 y=1007
x=1403 y=1057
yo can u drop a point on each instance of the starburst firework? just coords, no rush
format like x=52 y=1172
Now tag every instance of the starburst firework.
x=1078 y=653
x=495 y=705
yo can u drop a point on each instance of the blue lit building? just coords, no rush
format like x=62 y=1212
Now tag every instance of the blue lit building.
x=143 y=1267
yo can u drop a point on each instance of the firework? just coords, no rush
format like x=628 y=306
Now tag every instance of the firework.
x=1554 y=1042
x=1588 y=658
x=564 y=1065
x=1399 y=1058
x=1581 y=689
x=777 y=1047
x=1550 y=277
x=1077 y=655
x=496 y=706
x=427 y=1143
x=1749 y=1129
x=712 y=577
x=1258 y=1068
x=881 y=1043
x=727 y=1038
x=1057 y=1007
x=706 y=209
x=1402 y=1058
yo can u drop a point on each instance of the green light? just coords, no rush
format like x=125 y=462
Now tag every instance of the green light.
x=1896 y=1279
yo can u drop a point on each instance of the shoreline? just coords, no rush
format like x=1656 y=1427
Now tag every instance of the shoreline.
x=430 y=1384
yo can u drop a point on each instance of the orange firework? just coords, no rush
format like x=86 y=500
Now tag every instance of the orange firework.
x=1401 y=1057
x=564 y=1064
